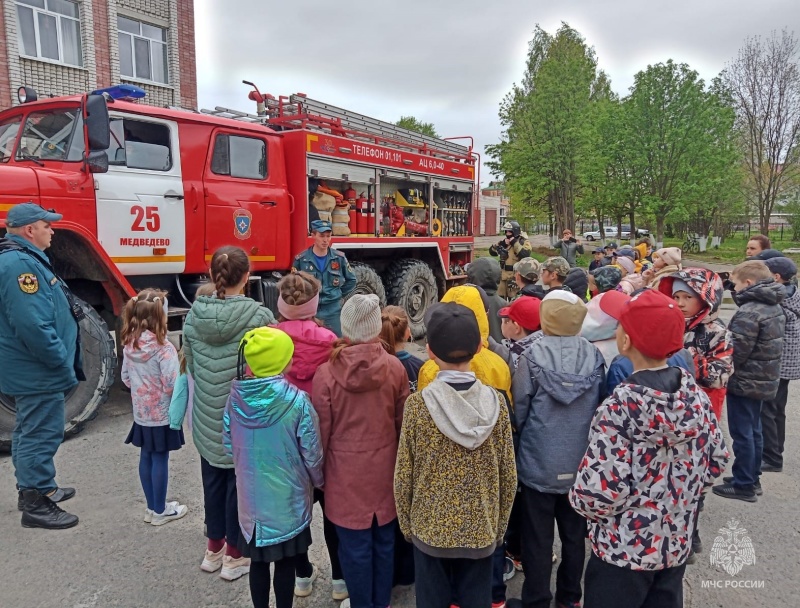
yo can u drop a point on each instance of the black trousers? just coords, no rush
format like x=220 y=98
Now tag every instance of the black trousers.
x=304 y=567
x=221 y=505
x=441 y=582
x=283 y=583
x=542 y=512
x=773 y=426
x=609 y=586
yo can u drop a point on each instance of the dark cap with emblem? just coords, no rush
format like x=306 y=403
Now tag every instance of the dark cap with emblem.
x=321 y=226
x=29 y=213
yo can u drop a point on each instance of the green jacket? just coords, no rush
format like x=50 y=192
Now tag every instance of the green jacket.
x=211 y=334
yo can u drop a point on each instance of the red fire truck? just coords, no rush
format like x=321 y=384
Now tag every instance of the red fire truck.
x=148 y=194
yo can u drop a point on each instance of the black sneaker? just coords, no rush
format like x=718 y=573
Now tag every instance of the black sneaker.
x=728 y=490
x=771 y=468
x=697 y=544
x=41 y=512
x=60 y=495
x=691 y=559
x=756 y=486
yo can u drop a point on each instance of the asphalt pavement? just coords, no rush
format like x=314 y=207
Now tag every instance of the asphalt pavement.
x=112 y=558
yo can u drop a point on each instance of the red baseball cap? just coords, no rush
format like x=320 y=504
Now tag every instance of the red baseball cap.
x=651 y=319
x=524 y=311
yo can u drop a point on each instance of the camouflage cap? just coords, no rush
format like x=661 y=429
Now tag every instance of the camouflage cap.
x=529 y=268
x=557 y=264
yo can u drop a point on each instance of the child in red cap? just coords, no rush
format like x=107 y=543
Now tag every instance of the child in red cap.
x=653 y=439
x=521 y=327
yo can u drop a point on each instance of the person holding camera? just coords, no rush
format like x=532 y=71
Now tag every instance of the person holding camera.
x=40 y=341
x=569 y=247
x=510 y=251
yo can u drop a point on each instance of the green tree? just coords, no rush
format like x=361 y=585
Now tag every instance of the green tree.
x=763 y=83
x=678 y=143
x=546 y=122
x=412 y=124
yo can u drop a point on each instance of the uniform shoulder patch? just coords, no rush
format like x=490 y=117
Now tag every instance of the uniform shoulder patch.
x=28 y=282
x=337 y=252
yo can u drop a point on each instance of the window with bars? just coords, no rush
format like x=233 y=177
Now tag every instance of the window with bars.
x=50 y=29
x=142 y=50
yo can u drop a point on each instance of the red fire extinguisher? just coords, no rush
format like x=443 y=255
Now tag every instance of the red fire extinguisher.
x=361 y=220
x=371 y=215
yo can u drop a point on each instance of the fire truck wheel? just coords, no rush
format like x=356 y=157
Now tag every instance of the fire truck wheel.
x=368 y=282
x=99 y=364
x=412 y=287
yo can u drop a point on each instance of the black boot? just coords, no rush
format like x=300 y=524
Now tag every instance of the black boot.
x=59 y=495
x=41 y=512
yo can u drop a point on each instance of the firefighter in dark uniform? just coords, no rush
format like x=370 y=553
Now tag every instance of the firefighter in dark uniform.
x=332 y=269
x=510 y=251
x=41 y=355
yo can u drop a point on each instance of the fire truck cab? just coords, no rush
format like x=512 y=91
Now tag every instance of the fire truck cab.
x=148 y=194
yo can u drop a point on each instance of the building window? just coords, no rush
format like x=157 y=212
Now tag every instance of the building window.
x=50 y=29
x=142 y=50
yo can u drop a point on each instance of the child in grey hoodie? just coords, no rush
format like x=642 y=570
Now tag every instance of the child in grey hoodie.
x=558 y=385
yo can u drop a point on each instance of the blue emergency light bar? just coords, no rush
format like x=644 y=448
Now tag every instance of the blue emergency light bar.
x=122 y=91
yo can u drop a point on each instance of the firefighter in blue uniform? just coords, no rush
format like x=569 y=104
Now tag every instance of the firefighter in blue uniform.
x=333 y=271
x=41 y=355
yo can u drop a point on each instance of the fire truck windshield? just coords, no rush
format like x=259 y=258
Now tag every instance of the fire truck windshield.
x=52 y=135
x=8 y=135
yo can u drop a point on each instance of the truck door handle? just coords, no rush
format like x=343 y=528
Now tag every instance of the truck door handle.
x=178 y=197
x=269 y=203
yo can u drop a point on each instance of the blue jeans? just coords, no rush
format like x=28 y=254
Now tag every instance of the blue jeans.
x=154 y=475
x=367 y=558
x=38 y=432
x=744 y=424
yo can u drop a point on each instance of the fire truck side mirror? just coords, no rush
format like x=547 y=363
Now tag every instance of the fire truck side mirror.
x=97 y=161
x=97 y=126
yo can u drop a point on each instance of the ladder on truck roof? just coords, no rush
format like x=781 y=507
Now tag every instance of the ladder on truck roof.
x=300 y=112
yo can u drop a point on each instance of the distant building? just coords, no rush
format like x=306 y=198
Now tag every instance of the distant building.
x=62 y=47
x=493 y=206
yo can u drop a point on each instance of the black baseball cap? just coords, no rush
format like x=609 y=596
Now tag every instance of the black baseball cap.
x=453 y=332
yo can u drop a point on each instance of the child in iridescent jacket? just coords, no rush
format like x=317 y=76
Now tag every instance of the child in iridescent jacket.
x=272 y=432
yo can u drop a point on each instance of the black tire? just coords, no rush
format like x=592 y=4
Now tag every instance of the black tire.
x=412 y=287
x=589 y=237
x=368 y=282
x=99 y=365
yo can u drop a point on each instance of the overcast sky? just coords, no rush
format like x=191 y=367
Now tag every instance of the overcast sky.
x=447 y=62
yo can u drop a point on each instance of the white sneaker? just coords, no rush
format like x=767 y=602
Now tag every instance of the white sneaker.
x=213 y=561
x=339 y=591
x=345 y=603
x=304 y=586
x=233 y=568
x=148 y=513
x=172 y=511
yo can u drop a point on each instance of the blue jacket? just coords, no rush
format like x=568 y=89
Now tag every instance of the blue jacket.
x=557 y=387
x=621 y=367
x=39 y=336
x=338 y=278
x=272 y=431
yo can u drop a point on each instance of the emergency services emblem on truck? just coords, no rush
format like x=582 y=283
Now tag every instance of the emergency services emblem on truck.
x=242 y=221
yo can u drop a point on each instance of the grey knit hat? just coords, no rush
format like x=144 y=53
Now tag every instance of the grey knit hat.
x=361 y=318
